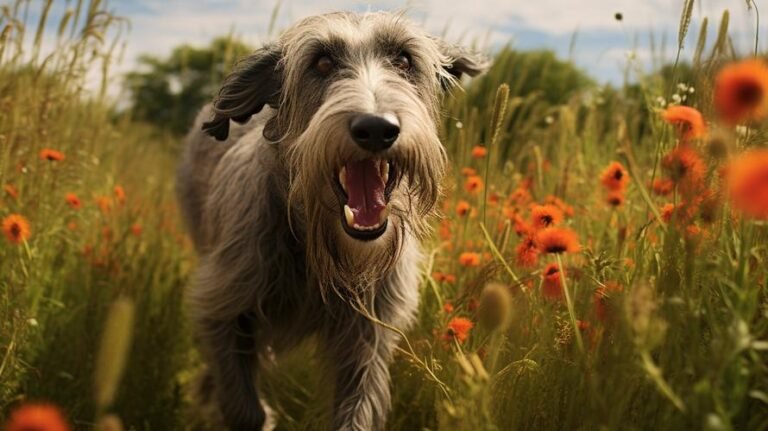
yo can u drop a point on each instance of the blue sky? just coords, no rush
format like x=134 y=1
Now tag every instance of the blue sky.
x=602 y=44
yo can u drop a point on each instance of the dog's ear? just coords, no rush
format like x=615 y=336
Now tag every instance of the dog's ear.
x=255 y=82
x=459 y=61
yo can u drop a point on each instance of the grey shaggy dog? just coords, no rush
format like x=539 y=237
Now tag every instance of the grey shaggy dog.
x=308 y=216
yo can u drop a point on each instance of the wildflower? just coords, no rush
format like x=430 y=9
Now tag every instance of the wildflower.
x=120 y=194
x=72 y=226
x=685 y=168
x=458 y=329
x=11 y=191
x=448 y=308
x=615 y=198
x=662 y=186
x=495 y=308
x=565 y=208
x=527 y=253
x=468 y=172
x=521 y=227
x=741 y=91
x=493 y=199
x=474 y=184
x=688 y=122
x=104 y=203
x=747 y=183
x=469 y=259
x=478 y=152
x=16 y=228
x=445 y=229
x=557 y=240
x=463 y=208
x=73 y=201
x=545 y=216
x=615 y=177
x=34 y=417
x=136 y=229
x=51 y=155
x=450 y=278
x=667 y=211
x=552 y=287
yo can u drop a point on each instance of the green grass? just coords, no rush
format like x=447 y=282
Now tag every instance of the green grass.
x=683 y=345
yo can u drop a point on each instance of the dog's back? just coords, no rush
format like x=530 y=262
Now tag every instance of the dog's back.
x=200 y=157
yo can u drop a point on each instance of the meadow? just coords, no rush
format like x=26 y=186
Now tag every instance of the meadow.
x=599 y=261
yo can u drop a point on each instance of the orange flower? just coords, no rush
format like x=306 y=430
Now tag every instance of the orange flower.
x=741 y=91
x=527 y=253
x=545 y=216
x=667 y=211
x=747 y=182
x=521 y=227
x=445 y=229
x=16 y=228
x=557 y=240
x=120 y=194
x=479 y=152
x=469 y=259
x=73 y=201
x=493 y=199
x=458 y=328
x=468 y=172
x=448 y=307
x=615 y=177
x=662 y=186
x=688 y=122
x=42 y=417
x=462 y=208
x=11 y=191
x=565 y=208
x=51 y=155
x=685 y=168
x=552 y=287
x=104 y=203
x=474 y=184
x=136 y=229
x=615 y=198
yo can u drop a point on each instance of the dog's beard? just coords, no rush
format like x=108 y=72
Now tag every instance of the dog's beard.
x=386 y=206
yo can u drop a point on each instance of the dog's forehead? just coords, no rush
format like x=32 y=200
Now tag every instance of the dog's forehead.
x=353 y=30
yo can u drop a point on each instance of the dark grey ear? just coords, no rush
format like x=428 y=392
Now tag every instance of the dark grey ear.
x=255 y=82
x=460 y=61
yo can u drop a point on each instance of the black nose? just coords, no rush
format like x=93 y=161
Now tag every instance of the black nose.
x=372 y=132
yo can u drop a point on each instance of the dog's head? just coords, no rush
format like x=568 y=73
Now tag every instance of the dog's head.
x=357 y=104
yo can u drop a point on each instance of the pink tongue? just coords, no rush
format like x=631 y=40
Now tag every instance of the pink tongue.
x=365 y=191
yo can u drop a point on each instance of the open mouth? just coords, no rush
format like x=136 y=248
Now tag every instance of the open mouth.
x=364 y=188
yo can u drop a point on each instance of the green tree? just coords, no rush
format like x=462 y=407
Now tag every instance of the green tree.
x=168 y=92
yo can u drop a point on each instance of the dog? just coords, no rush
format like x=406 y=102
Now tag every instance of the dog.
x=307 y=186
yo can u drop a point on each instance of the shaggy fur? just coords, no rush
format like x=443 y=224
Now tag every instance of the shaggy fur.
x=275 y=263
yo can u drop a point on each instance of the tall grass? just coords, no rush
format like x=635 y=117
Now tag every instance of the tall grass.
x=124 y=241
x=663 y=326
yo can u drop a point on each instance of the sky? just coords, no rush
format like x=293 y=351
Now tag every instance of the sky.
x=602 y=44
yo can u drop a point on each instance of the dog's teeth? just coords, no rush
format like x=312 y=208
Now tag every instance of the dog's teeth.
x=343 y=178
x=349 y=216
x=385 y=171
x=383 y=215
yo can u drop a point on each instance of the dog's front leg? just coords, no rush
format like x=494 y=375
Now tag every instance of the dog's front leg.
x=360 y=352
x=231 y=349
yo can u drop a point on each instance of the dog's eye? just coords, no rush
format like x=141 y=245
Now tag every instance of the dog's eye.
x=324 y=65
x=402 y=62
